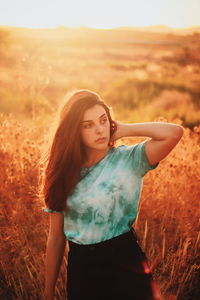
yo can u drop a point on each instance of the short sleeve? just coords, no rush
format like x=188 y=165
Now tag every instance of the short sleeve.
x=46 y=209
x=139 y=160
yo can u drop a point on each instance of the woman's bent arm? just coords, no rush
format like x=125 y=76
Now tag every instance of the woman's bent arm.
x=156 y=130
x=164 y=137
x=55 y=248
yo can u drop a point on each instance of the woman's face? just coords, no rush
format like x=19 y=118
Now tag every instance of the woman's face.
x=95 y=128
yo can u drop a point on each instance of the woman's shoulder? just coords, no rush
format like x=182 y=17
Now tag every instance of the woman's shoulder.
x=123 y=148
x=118 y=152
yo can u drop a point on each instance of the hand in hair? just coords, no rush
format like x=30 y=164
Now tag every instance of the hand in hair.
x=117 y=129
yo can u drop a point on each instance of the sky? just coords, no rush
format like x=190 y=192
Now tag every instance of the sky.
x=99 y=13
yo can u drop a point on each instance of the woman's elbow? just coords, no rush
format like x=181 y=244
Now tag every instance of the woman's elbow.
x=178 y=132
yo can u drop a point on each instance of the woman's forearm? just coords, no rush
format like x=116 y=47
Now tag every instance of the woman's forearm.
x=54 y=255
x=155 y=130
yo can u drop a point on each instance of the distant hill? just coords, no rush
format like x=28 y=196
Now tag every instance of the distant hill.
x=163 y=29
x=86 y=36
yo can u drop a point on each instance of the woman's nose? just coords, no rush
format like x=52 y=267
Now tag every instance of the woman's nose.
x=99 y=128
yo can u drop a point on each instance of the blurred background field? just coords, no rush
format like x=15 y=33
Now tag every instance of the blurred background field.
x=141 y=74
x=144 y=77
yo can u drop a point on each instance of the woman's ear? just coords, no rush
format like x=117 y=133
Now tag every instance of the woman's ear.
x=112 y=131
x=113 y=127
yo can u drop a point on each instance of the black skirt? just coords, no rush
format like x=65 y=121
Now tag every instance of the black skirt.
x=116 y=269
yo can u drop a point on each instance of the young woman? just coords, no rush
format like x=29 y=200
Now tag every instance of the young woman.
x=91 y=190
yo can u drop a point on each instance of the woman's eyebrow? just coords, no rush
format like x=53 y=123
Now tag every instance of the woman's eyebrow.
x=92 y=120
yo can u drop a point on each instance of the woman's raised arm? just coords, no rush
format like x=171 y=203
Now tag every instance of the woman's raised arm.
x=164 y=137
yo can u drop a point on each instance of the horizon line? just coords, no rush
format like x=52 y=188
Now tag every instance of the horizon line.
x=110 y=28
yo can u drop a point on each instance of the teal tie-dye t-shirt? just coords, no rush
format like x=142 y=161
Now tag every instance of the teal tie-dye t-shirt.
x=104 y=203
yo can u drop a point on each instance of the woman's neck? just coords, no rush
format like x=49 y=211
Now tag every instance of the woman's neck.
x=93 y=156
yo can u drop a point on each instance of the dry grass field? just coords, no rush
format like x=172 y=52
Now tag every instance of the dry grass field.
x=144 y=77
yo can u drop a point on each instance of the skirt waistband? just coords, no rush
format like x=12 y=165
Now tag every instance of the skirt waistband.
x=111 y=242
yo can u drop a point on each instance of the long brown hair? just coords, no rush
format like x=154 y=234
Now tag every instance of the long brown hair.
x=66 y=153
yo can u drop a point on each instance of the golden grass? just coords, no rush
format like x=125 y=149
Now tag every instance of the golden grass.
x=141 y=82
x=167 y=222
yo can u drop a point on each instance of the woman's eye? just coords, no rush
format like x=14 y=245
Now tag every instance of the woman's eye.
x=87 y=126
x=103 y=121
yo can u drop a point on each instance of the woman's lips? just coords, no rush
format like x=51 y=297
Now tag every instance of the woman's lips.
x=100 y=140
